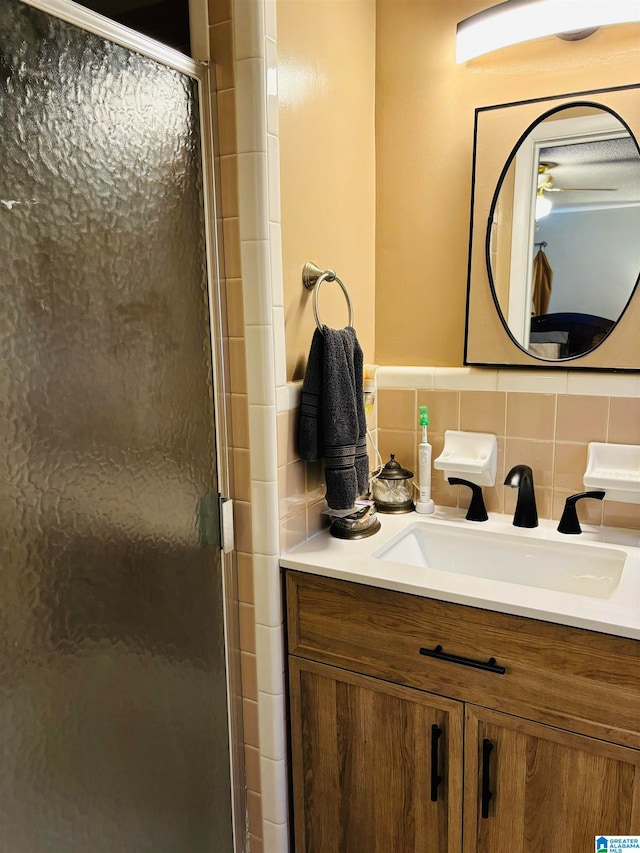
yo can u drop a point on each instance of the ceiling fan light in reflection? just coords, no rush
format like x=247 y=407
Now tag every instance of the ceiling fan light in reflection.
x=543 y=207
x=515 y=21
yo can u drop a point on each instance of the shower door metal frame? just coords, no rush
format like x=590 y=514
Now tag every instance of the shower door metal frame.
x=202 y=73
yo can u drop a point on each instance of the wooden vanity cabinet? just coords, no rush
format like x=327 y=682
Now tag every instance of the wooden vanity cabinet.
x=376 y=767
x=398 y=751
x=551 y=790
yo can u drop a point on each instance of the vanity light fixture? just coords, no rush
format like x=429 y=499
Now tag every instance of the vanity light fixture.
x=516 y=21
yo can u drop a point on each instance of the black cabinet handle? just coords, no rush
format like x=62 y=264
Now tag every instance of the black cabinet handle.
x=486 y=795
x=436 y=733
x=489 y=666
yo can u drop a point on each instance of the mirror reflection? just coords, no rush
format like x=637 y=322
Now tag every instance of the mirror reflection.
x=562 y=245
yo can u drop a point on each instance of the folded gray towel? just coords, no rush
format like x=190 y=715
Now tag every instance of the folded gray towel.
x=332 y=419
x=310 y=444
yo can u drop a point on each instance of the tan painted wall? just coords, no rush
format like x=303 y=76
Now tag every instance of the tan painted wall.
x=326 y=78
x=424 y=135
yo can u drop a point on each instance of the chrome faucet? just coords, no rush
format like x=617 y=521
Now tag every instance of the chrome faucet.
x=520 y=477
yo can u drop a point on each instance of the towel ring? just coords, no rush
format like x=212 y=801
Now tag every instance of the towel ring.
x=312 y=278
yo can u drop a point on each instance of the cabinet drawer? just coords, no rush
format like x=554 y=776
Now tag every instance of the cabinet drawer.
x=567 y=677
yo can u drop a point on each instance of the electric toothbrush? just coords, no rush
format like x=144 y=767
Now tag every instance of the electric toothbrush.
x=424 y=505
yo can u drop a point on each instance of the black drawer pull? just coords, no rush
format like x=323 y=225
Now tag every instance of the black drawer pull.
x=486 y=794
x=436 y=733
x=489 y=666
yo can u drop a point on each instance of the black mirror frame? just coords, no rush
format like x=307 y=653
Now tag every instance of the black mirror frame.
x=492 y=209
x=531 y=361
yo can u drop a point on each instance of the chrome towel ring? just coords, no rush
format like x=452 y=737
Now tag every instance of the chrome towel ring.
x=312 y=278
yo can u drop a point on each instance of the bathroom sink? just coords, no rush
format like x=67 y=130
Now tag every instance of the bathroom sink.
x=560 y=566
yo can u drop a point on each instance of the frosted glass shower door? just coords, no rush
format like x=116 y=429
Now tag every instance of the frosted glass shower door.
x=113 y=701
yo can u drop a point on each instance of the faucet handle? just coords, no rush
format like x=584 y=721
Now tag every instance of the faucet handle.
x=477 y=510
x=569 y=522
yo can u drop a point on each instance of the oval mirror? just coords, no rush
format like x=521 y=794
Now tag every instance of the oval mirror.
x=562 y=246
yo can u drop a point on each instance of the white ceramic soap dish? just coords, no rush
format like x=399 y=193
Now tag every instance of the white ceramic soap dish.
x=616 y=469
x=471 y=456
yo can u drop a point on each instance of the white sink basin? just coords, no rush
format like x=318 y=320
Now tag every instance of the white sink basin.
x=560 y=566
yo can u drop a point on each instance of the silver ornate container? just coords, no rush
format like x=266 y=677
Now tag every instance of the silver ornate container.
x=392 y=488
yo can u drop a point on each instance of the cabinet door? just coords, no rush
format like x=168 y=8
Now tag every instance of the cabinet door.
x=363 y=755
x=544 y=788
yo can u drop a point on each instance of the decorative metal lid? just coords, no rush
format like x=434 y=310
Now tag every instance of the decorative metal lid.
x=393 y=470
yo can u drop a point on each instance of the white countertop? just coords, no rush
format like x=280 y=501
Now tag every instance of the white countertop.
x=353 y=560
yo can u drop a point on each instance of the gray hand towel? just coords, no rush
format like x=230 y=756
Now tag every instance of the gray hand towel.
x=332 y=419
x=362 y=459
x=310 y=444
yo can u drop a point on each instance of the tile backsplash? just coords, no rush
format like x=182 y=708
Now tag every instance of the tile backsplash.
x=548 y=431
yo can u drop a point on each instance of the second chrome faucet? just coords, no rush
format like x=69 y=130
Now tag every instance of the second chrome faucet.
x=520 y=477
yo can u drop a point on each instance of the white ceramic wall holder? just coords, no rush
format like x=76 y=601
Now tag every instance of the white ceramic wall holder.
x=615 y=468
x=472 y=456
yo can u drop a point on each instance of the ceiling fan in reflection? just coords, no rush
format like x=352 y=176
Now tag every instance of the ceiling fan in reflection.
x=546 y=185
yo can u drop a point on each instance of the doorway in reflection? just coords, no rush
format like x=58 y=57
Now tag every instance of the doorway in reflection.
x=563 y=247
x=586 y=248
